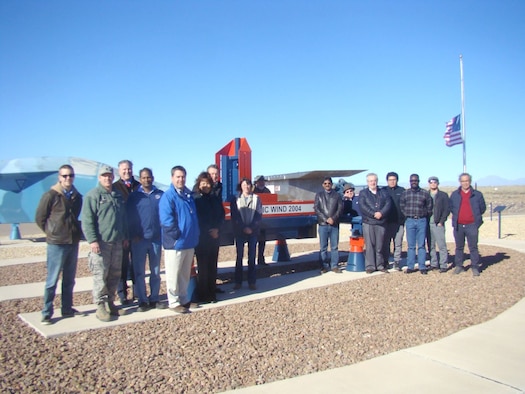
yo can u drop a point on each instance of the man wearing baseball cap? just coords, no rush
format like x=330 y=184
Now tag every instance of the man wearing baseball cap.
x=260 y=188
x=436 y=233
x=105 y=228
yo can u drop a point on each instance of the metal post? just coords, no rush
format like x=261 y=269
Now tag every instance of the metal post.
x=499 y=224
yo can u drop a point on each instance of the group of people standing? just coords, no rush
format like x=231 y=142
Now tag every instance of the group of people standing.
x=129 y=222
x=388 y=212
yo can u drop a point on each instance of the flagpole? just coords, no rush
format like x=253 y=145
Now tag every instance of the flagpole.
x=464 y=131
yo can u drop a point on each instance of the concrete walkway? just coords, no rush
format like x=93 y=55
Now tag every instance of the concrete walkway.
x=486 y=358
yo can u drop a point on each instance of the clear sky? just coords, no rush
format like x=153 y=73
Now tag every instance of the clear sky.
x=312 y=84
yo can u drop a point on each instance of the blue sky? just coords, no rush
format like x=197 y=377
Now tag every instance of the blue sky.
x=312 y=85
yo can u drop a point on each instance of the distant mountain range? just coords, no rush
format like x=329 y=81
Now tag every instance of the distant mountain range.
x=494 y=180
x=491 y=180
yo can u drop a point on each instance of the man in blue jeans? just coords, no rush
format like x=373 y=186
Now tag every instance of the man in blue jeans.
x=328 y=207
x=416 y=206
x=57 y=215
x=142 y=209
x=467 y=206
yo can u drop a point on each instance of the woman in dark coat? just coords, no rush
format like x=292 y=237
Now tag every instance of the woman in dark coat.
x=211 y=215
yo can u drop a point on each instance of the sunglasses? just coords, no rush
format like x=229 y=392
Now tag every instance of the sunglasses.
x=67 y=175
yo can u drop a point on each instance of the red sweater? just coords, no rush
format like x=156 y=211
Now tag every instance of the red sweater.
x=465 y=215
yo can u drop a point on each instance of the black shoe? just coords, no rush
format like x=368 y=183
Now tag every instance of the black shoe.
x=262 y=263
x=337 y=270
x=46 y=321
x=219 y=290
x=434 y=268
x=458 y=270
x=410 y=271
x=71 y=313
x=323 y=271
x=143 y=307
x=384 y=270
x=397 y=267
x=423 y=272
x=370 y=271
x=442 y=270
x=157 y=305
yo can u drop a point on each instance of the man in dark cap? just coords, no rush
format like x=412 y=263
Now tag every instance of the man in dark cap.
x=260 y=188
x=436 y=226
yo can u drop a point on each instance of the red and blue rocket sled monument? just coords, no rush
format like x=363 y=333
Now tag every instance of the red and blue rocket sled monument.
x=281 y=219
x=356 y=257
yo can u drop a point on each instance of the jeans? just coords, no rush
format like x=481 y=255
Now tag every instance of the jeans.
x=374 y=235
x=60 y=258
x=416 y=230
x=436 y=235
x=105 y=268
x=178 y=272
x=470 y=231
x=152 y=250
x=251 y=239
x=326 y=233
x=393 y=231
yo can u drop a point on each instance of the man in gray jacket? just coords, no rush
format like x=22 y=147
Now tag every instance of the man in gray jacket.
x=436 y=226
x=57 y=216
x=105 y=227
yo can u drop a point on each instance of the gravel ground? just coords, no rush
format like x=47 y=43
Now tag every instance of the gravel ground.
x=254 y=342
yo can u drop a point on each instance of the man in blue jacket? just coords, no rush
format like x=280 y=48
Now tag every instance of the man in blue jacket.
x=180 y=235
x=467 y=206
x=142 y=209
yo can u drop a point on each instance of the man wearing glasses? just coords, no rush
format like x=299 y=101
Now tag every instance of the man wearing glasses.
x=395 y=222
x=416 y=205
x=328 y=207
x=57 y=216
x=436 y=226
x=467 y=206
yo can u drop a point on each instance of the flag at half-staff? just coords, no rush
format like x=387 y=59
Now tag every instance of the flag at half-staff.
x=453 y=132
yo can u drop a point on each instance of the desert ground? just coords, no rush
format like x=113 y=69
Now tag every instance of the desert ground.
x=259 y=341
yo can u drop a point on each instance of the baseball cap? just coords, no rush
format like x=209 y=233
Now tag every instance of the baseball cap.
x=105 y=169
x=348 y=186
x=433 y=178
x=259 y=178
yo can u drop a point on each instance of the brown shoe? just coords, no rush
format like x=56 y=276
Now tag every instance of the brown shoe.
x=337 y=270
x=180 y=309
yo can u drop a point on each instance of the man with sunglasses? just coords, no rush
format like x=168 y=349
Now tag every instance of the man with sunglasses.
x=416 y=205
x=57 y=216
x=328 y=207
x=436 y=226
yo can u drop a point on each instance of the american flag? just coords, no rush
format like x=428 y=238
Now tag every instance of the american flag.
x=453 y=133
